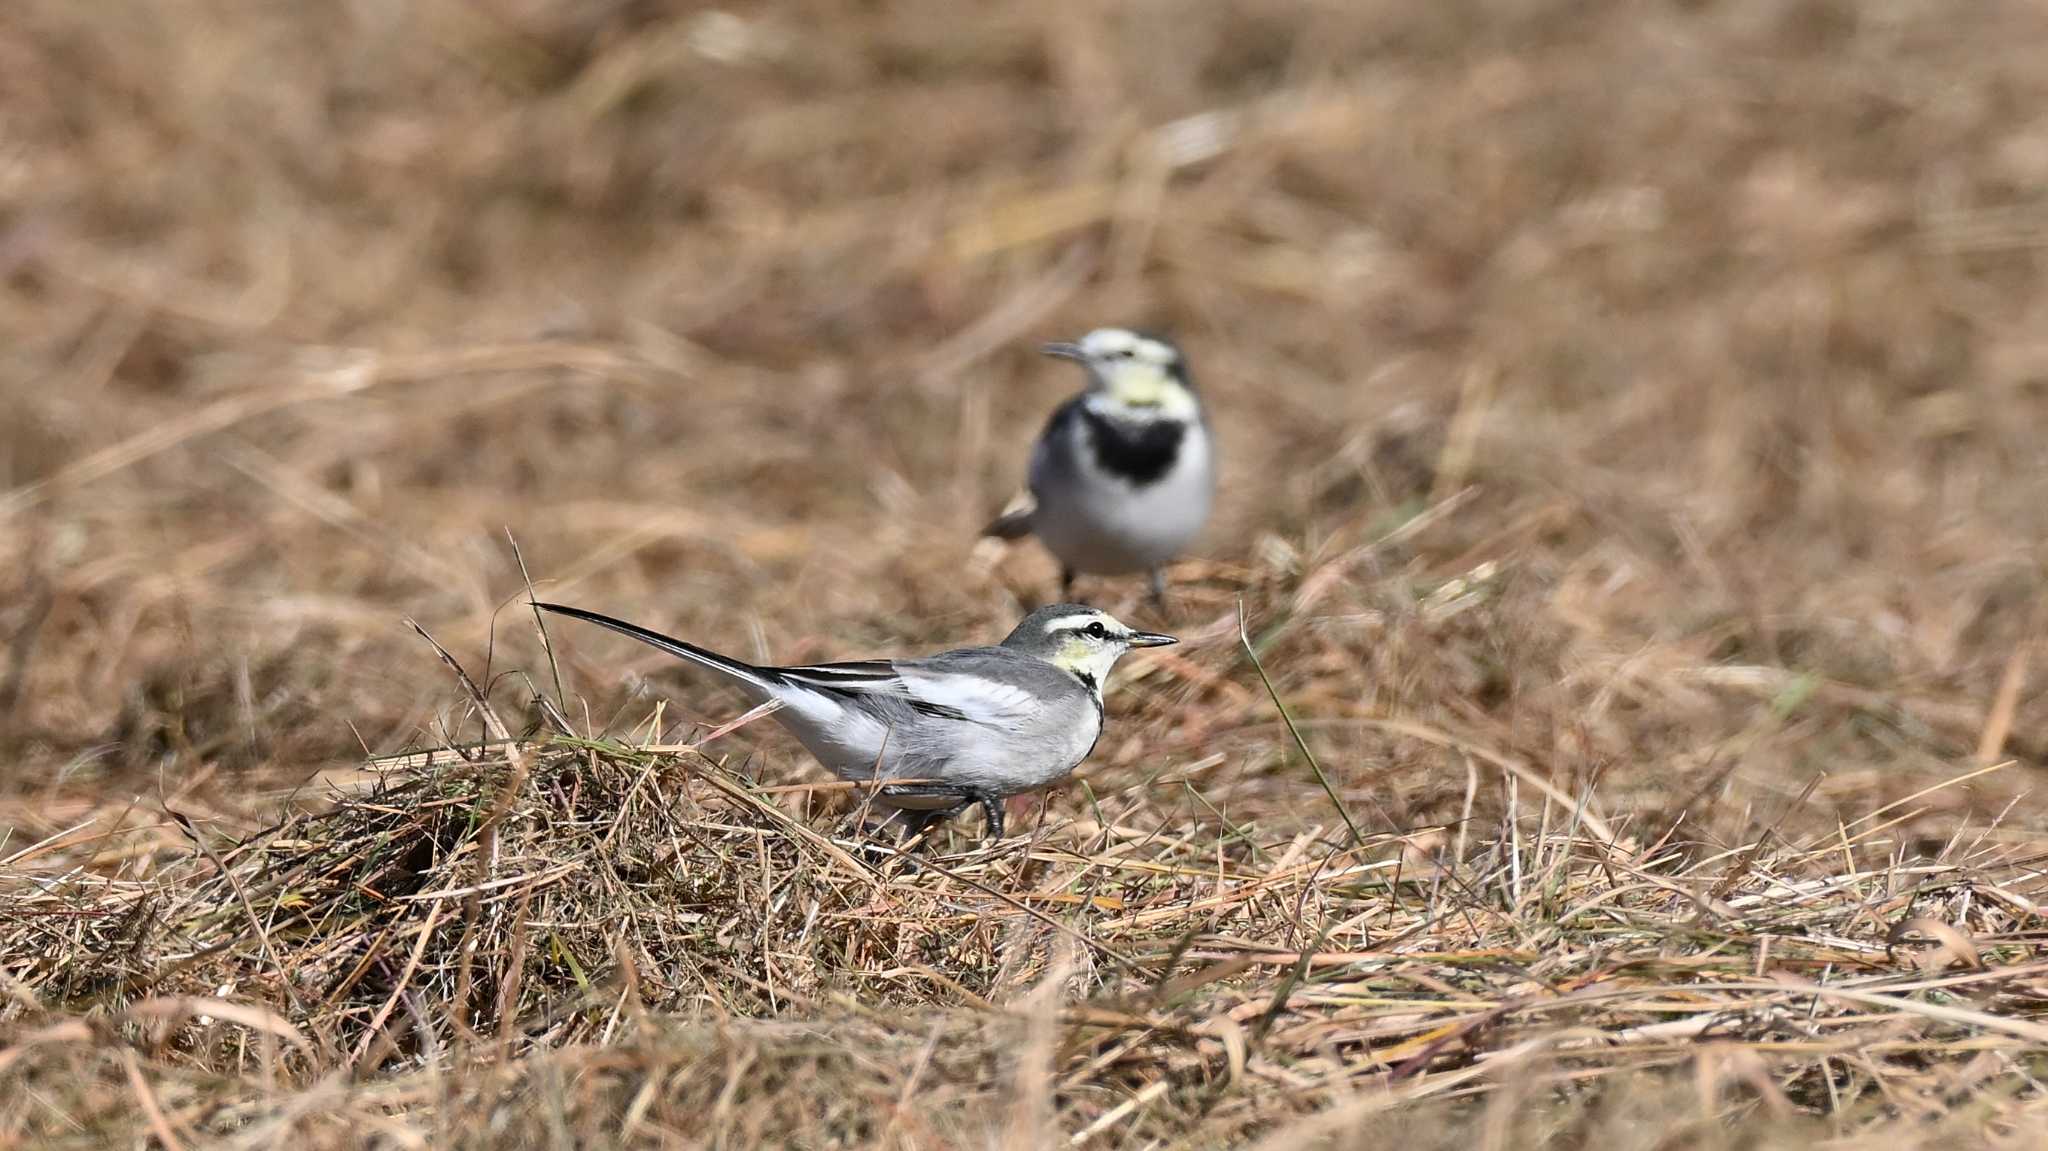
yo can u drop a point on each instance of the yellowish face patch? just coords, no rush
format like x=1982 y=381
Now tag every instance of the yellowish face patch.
x=1137 y=384
x=1075 y=654
x=1091 y=658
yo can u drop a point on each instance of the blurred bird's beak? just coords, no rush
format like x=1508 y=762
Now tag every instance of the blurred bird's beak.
x=1151 y=639
x=1065 y=351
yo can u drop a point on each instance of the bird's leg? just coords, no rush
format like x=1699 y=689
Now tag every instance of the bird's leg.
x=924 y=791
x=914 y=823
x=914 y=829
x=1066 y=585
x=1157 y=577
x=917 y=821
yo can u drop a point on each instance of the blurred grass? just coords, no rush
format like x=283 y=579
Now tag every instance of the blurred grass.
x=1642 y=401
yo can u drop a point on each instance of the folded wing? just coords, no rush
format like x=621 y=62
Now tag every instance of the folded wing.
x=941 y=692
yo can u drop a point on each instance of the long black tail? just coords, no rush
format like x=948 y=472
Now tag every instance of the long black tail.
x=760 y=680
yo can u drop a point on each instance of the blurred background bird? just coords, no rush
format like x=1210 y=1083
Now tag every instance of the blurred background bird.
x=1124 y=473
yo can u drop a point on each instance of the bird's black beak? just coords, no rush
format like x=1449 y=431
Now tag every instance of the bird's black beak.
x=1065 y=351
x=1151 y=639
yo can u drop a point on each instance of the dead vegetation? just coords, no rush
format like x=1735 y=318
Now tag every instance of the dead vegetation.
x=639 y=940
x=1634 y=492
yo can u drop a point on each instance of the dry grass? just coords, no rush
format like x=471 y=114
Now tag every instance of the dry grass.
x=642 y=939
x=1635 y=492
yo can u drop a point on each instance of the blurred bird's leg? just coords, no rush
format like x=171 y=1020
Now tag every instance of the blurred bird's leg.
x=1157 y=578
x=1066 y=585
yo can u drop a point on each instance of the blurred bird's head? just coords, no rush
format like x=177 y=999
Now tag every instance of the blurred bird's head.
x=1133 y=375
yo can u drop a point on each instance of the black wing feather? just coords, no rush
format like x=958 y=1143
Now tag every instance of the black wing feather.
x=864 y=676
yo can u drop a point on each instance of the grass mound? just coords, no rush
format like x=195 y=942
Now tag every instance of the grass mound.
x=563 y=928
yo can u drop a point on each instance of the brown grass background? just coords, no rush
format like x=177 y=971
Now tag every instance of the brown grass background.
x=1650 y=394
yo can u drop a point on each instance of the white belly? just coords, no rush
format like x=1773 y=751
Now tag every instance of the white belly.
x=1100 y=522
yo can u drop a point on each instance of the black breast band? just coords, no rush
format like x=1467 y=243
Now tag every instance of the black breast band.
x=1141 y=452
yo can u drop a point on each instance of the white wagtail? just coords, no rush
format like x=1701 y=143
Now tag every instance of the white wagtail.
x=1123 y=474
x=978 y=725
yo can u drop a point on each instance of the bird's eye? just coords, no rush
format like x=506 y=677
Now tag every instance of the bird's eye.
x=1097 y=630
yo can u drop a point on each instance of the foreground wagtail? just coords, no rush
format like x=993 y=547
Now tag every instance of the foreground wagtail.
x=976 y=725
x=1122 y=476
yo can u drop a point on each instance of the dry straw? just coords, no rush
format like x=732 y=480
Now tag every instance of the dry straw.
x=1631 y=421
x=583 y=946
